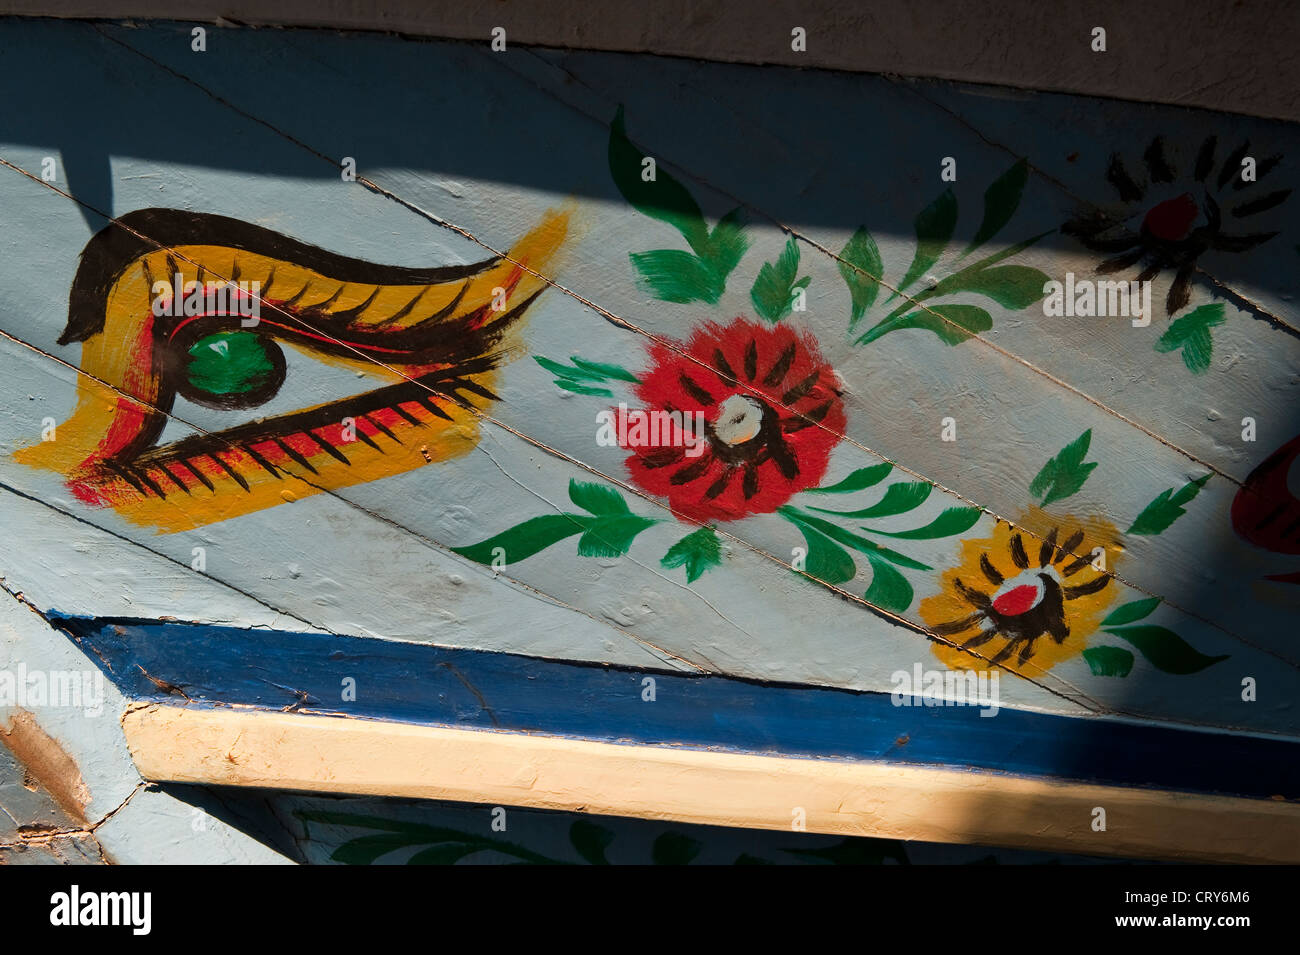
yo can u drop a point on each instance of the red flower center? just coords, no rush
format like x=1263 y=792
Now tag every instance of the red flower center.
x=1172 y=219
x=1017 y=600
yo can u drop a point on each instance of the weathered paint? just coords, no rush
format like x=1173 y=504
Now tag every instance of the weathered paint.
x=908 y=459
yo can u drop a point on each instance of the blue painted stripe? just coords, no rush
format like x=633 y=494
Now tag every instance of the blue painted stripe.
x=418 y=683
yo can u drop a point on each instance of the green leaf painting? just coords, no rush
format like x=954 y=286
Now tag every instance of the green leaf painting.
x=1065 y=473
x=953 y=324
x=1161 y=647
x=1012 y=287
x=1190 y=335
x=1167 y=508
x=659 y=196
x=607 y=529
x=585 y=377
x=774 y=289
x=391 y=840
x=889 y=589
x=954 y=520
x=1001 y=200
x=612 y=536
x=934 y=227
x=697 y=552
x=445 y=846
x=826 y=560
x=597 y=498
x=1108 y=661
x=857 y=481
x=848 y=538
x=727 y=244
x=674 y=275
x=1129 y=612
x=524 y=540
x=829 y=544
x=861 y=267
x=1164 y=649
x=898 y=499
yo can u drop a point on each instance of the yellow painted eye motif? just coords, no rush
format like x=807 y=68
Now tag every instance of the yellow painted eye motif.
x=169 y=302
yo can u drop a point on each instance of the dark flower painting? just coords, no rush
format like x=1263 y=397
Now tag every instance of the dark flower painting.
x=1171 y=213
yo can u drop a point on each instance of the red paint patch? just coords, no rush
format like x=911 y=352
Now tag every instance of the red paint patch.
x=389 y=418
x=1172 y=219
x=89 y=493
x=270 y=450
x=1264 y=511
x=1016 y=601
x=128 y=421
x=302 y=444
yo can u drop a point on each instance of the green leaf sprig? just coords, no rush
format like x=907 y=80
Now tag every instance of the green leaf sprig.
x=675 y=275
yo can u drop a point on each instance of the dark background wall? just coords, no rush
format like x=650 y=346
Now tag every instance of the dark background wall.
x=1232 y=55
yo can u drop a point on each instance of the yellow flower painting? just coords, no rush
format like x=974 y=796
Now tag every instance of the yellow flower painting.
x=1024 y=602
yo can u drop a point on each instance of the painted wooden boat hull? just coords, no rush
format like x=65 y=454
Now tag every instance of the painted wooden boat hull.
x=591 y=447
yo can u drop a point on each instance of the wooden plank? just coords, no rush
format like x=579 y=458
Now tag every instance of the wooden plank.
x=915 y=724
x=313 y=753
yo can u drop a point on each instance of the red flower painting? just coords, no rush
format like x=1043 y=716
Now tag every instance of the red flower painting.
x=761 y=412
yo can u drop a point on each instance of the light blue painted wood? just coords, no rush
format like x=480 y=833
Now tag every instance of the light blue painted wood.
x=455 y=141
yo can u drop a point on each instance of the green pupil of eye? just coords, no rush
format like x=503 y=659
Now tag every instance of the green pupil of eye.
x=229 y=363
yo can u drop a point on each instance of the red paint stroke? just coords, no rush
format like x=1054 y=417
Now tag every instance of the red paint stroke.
x=1264 y=511
x=1172 y=219
x=1017 y=600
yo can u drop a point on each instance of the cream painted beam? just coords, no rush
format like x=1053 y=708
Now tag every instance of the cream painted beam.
x=252 y=748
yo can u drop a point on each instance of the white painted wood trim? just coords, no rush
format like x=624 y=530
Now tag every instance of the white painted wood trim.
x=243 y=747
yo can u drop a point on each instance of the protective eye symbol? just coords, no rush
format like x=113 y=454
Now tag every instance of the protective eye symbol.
x=168 y=302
